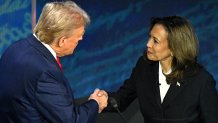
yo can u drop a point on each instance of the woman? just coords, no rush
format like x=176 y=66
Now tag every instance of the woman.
x=169 y=83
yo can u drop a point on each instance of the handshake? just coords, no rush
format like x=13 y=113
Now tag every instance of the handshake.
x=101 y=97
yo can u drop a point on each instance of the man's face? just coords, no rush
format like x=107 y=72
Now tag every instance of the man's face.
x=72 y=41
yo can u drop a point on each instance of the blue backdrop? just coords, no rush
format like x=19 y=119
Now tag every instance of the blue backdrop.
x=116 y=37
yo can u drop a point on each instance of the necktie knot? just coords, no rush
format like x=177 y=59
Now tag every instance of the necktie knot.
x=59 y=63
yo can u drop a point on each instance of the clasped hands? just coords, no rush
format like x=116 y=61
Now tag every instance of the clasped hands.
x=101 y=97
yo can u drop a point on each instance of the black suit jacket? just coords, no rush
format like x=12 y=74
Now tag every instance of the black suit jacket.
x=195 y=100
x=30 y=74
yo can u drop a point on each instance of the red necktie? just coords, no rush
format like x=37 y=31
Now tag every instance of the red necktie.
x=59 y=63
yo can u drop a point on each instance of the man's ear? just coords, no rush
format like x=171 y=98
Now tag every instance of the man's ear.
x=61 y=41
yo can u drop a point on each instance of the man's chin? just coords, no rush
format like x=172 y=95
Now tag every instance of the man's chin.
x=71 y=53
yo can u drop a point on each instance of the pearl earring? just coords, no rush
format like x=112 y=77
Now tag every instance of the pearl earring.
x=171 y=54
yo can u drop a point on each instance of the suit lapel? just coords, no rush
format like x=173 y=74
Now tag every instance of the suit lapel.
x=42 y=49
x=155 y=84
x=174 y=90
x=177 y=88
x=172 y=93
x=47 y=54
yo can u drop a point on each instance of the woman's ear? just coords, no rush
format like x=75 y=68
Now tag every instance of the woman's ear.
x=61 y=41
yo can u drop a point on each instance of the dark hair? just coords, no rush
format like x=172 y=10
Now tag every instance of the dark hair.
x=183 y=43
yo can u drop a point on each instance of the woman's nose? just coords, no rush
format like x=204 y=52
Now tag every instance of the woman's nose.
x=149 y=43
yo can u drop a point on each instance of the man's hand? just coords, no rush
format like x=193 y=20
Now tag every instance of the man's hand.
x=101 y=97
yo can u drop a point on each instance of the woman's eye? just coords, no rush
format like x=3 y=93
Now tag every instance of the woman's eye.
x=155 y=41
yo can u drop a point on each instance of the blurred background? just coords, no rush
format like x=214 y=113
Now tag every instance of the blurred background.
x=114 y=40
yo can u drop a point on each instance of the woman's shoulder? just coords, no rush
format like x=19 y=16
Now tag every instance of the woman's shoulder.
x=200 y=72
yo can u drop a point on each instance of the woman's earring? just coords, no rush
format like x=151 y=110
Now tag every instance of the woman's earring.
x=171 y=54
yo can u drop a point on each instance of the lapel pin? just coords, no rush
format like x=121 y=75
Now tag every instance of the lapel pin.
x=178 y=84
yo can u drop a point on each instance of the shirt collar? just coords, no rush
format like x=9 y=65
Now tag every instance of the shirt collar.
x=47 y=46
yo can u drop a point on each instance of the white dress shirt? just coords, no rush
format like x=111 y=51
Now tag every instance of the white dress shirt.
x=47 y=46
x=163 y=84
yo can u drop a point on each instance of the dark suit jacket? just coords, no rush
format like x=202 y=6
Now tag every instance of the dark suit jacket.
x=40 y=92
x=194 y=101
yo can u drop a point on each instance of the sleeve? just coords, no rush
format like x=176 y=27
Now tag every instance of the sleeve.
x=55 y=102
x=127 y=92
x=209 y=102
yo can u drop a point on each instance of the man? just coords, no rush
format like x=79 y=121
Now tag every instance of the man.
x=32 y=74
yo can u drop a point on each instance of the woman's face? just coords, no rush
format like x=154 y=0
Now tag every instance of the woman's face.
x=157 y=46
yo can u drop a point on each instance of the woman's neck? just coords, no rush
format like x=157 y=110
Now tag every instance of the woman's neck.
x=166 y=65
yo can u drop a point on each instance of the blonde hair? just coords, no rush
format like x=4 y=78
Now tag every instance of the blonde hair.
x=59 y=19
